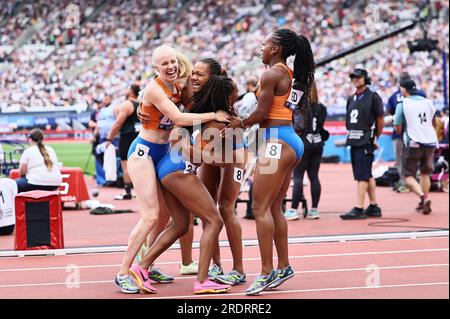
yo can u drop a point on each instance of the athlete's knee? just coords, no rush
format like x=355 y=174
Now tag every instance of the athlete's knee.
x=215 y=221
x=226 y=207
x=180 y=229
x=149 y=220
x=259 y=207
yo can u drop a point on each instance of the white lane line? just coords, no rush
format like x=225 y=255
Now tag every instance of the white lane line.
x=301 y=290
x=245 y=242
x=108 y=253
x=247 y=259
x=249 y=275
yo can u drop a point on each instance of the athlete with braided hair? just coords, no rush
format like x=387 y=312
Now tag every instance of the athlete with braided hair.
x=223 y=182
x=281 y=92
x=219 y=94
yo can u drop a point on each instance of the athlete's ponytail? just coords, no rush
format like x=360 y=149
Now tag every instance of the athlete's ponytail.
x=38 y=136
x=184 y=65
x=298 y=45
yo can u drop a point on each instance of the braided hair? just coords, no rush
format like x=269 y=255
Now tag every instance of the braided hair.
x=293 y=44
x=214 y=96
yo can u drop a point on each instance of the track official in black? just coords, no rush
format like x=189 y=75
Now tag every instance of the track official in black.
x=365 y=122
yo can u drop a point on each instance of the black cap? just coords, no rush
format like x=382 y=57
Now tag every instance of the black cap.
x=357 y=73
x=409 y=85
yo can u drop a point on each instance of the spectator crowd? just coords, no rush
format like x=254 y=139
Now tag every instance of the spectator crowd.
x=79 y=51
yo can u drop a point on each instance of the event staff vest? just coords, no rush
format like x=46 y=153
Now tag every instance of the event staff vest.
x=360 y=119
x=419 y=116
x=132 y=123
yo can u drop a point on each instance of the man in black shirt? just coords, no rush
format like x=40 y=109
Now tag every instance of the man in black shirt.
x=365 y=122
x=128 y=124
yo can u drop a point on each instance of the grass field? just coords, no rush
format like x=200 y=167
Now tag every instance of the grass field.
x=70 y=154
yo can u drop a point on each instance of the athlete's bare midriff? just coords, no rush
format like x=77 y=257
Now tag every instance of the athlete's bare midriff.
x=155 y=136
x=275 y=122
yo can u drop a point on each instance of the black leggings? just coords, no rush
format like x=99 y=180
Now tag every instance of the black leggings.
x=310 y=163
x=6 y=230
x=24 y=186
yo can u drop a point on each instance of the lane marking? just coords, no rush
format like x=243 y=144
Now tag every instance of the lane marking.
x=249 y=275
x=173 y=249
x=302 y=290
x=246 y=243
x=247 y=259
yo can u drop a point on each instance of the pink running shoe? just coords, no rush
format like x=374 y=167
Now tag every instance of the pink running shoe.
x=210 y=287
x=140 y=276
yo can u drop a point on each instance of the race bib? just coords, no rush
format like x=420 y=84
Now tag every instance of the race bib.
x=294 y=97
x=238 y=175
x=165 y=123
x=273 y=150
x=190 y=168
x=141 y=151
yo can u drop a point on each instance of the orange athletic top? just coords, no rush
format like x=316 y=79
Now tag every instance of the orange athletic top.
x=159 y=121
x=278 y=111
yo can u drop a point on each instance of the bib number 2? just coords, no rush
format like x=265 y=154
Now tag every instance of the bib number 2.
x=354 y=116
x=190 y=168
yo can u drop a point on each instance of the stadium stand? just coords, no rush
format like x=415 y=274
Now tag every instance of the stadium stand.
x=69 y=60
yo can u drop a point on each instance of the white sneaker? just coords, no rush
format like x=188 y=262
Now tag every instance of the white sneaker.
x=191 y=269
x=291 y=214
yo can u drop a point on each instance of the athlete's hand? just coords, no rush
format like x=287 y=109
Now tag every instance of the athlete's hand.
x=235 y=123
x=143 y=117
x=222 y=116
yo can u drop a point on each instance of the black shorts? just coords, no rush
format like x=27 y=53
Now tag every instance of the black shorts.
x=362 y=159
x=421 y=157
x=125 y=141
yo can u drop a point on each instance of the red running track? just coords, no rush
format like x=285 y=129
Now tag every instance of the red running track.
x=387 y=269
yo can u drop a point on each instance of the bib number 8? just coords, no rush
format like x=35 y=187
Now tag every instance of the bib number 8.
x=238 y=175
x=273 y=150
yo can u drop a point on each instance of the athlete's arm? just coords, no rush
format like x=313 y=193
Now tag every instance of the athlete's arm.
x=268 y=84
x=186 y=94
x=123 y=111
x=155 y=95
